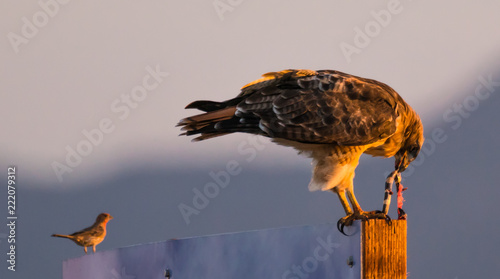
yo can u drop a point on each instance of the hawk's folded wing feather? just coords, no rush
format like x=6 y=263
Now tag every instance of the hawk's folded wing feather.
x=324 y=107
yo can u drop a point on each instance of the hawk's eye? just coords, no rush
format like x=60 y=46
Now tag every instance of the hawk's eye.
x=414 y=150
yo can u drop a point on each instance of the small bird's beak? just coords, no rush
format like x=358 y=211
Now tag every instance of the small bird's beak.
x=402 y=163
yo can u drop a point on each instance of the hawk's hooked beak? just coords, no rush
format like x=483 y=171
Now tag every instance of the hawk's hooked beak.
x=402 y=163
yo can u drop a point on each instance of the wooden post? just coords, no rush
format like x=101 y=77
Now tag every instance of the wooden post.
x=383 y=249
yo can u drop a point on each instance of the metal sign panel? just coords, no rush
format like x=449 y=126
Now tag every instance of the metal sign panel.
x=318 y=251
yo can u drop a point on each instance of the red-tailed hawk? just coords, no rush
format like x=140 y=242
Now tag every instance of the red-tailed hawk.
x=332 y=117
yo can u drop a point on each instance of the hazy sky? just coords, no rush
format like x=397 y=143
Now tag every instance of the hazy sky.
x=94 y=89
x=66 y=70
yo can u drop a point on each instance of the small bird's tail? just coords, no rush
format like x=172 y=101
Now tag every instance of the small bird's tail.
x=62 y=235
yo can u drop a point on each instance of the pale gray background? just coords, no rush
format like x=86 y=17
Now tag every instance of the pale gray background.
x=90 y=53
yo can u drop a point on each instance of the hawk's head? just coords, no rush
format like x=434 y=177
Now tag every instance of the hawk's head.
x=411 y=145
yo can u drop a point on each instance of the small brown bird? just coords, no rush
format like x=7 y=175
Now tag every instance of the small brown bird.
x=92 y=235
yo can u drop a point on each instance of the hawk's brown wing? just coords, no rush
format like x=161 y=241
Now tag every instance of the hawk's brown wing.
x=320 y=107
x=302 y=105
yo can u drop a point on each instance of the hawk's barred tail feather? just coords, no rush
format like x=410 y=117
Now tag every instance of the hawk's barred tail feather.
x=204 y=123
x=207 y=106
x=215 y=123
x=199 y=121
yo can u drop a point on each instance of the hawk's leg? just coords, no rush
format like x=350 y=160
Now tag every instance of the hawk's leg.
x=358 y=213
x=343 y=200
x=345 y=204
